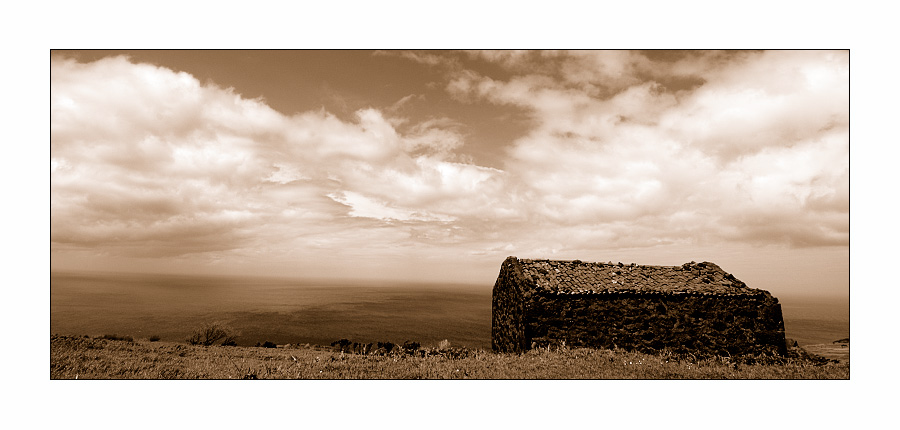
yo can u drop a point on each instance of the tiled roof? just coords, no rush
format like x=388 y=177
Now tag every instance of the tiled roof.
x=577 y=277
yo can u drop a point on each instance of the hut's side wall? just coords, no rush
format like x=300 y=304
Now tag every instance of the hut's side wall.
x=508 y=309
x=722 y=325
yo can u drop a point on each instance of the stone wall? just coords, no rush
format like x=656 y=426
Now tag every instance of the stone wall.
x=705 y=324
x=508 y=309
x=525 y=316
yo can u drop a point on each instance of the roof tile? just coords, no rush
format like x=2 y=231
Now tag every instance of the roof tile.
x=573 y=277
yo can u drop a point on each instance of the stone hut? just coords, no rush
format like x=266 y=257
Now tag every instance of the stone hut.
x=696 y=308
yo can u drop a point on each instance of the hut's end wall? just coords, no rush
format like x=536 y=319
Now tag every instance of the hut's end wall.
x=508 y=309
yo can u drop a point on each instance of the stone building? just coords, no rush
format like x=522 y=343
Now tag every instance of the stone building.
x=696 y=307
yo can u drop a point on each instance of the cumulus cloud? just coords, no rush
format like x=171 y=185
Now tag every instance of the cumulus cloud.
x=624 y=150
x=752 y=147
x=149 y=159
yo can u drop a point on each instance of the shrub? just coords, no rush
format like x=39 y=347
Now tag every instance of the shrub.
x=210 y=333
x=342 y=345
x=117 y=337
x=410 y=348
x=154 y=338
x=361 y=348
x=386 y=347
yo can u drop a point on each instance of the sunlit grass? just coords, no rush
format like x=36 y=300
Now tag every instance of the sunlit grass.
x=86 y=358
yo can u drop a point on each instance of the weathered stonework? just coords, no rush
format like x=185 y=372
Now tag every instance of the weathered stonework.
x=696 y=307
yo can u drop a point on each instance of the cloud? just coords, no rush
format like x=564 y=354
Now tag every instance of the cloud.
x=624 y=150
x=753 y=150
x=148 y=161
x=770 y=99
x=366 y=207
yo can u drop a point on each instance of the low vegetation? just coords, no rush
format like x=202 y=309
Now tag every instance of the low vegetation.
x=117 y=337
x=211 y=333
x=104 y=358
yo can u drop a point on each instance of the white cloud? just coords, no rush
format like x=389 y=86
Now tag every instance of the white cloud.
x=285 y=174
x=433 y=136
x=624 y=152
x=175 y=167
x=763 y=138
x=362 y=206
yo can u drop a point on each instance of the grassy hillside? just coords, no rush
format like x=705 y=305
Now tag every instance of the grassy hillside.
x=102 y=358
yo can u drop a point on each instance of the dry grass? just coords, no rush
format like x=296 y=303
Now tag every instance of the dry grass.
x=86 y=358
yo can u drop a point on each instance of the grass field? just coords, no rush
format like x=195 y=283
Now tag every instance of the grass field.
x=112 y=357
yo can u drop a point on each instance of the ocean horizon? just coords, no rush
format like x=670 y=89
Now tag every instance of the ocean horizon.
x=299 y=311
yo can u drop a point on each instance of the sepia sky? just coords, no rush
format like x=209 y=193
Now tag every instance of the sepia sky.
x=436 y=165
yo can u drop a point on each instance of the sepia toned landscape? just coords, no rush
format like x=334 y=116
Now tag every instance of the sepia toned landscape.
x=117 y=358
x=386 y=214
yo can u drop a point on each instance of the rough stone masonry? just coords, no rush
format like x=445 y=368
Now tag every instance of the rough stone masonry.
x=693 y=308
